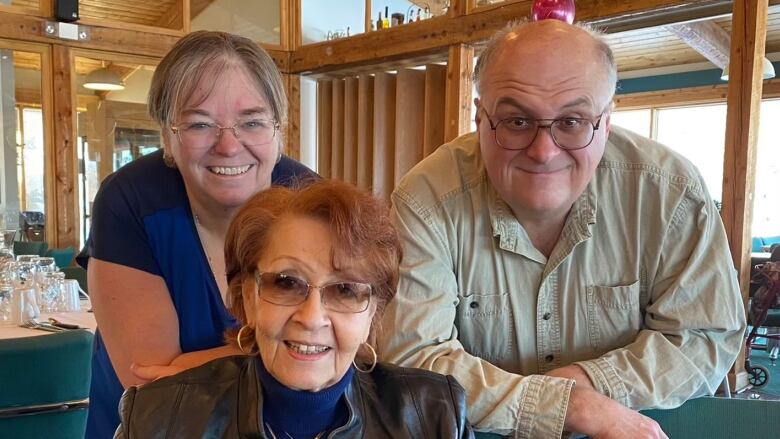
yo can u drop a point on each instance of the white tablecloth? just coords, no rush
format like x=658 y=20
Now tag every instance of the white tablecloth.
x=83 y=318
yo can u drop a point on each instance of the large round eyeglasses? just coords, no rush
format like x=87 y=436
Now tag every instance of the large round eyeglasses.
x=569 y=133
x=286 y=290
x=250 y=132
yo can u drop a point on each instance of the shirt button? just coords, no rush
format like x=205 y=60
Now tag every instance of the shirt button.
x=546 y=316
x=474 y=305
x=549 y=358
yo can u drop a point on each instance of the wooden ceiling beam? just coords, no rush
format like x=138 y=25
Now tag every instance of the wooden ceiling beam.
x=131 y=42
x=707 y=38
x=436 y=34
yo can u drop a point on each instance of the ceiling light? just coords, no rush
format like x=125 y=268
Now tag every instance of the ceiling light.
x=768 y=71
x=103 y=79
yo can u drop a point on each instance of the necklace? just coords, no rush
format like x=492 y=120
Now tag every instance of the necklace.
x=273 y=435
x=201 y=234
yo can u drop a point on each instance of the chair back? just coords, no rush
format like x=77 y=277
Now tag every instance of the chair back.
x=63 y=257
x=720 y=418
x=30 y=248
x=77 y=273
x=45 y=385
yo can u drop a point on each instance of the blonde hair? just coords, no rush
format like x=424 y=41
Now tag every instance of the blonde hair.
x=207 y=54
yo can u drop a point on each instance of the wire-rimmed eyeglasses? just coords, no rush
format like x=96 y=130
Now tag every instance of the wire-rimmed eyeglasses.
x=250 y=132
x=569 y=133
x=286 y=290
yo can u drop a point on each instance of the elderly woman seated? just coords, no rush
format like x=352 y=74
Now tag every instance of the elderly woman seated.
x=310 y=272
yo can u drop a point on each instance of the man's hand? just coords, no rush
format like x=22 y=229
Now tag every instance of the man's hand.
x=573 y=372
x=600 y=417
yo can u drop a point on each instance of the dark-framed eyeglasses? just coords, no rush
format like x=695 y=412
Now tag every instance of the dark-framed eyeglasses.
x=569 y=133
x=286 y=290
x=250 y=132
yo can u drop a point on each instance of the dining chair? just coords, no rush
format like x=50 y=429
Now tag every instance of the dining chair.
x=30 y=248
x=45 y=385
x=63 y=257
x=77 y=273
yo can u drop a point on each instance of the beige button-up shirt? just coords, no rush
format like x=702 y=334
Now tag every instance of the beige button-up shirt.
x=640 y=289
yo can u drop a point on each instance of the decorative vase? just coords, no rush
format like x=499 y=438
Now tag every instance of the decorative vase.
x=555 y=9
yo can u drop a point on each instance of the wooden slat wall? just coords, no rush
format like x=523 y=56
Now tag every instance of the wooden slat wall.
x=384 y=134
x=337 y=145
x=365 y=145
x=435 y=93
x=379 y=126
x=350 y=129
x=409 y=120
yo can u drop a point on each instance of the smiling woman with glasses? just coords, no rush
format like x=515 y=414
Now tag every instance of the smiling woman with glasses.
x=156 y=267
x=310 y=272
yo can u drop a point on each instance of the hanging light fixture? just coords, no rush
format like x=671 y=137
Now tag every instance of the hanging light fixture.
x=103 y=79
x=768 y=71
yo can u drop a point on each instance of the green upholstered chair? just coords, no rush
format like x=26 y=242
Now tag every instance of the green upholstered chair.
x=45 y=385
x=30 y=248
x=77 y=273
x=62 y=256
x=720 y=418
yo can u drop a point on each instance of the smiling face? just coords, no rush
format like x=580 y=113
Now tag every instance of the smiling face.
x=306 y=346
x=550 y=71
x=225 y=173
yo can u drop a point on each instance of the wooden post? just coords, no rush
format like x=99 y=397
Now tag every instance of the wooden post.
x=66 y=195
x=292 y=146
x=748 y=40
x=324 y=126
x=457 y=113
x=290 y=24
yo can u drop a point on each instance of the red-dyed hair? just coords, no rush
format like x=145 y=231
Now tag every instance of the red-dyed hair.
x=364 y=239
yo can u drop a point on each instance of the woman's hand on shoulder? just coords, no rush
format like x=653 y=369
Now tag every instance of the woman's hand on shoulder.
x=154 y=372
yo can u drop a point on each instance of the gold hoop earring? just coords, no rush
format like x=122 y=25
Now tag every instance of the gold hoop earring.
x=168 y=159
x=238 y=339
x=373 y=363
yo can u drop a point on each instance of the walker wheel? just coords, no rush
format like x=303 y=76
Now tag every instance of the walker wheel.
x=759 y=376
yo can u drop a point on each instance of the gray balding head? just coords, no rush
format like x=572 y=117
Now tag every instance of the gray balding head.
x=532 y=30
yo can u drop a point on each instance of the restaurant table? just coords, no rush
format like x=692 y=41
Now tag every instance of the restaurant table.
x=82 y=318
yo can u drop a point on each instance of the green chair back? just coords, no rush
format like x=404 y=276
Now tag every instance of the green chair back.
x=63 y=257
x=30 y=248
x=77 y=273
x=720 y=418
x=39 y=376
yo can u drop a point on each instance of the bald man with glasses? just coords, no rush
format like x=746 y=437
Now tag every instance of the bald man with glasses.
x=567 y=272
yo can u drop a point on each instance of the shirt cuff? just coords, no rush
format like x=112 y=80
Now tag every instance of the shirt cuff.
x=605 y=379
x=543 y=407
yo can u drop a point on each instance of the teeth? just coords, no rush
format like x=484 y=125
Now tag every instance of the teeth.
x=229 y=170
x=307 y=349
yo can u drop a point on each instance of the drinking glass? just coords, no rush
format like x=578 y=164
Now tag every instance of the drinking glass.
x=43 y=264
x=51 y=289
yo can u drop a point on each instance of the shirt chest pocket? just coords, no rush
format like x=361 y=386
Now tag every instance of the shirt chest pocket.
x=614 y=316
x=485 y=325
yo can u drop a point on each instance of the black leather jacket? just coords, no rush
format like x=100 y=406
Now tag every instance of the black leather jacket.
x=222 y=399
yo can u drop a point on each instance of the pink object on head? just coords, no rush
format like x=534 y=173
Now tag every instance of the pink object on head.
x=555 y=9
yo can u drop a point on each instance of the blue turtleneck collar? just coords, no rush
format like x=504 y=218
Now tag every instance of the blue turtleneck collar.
x=300 y=413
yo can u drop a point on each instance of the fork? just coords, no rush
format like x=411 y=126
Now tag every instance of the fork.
x=32 y=324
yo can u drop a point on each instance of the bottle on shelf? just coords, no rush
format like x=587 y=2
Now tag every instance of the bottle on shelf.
x=379 y=22
x=418 y=14
x=386 y=20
